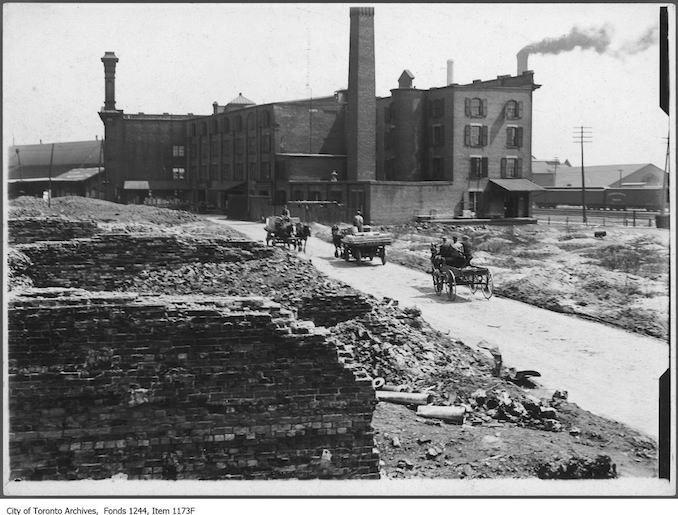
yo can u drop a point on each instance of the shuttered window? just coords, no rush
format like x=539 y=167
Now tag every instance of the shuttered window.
x=475 y=135
x=476 y=107
x=511 y=167
x=514 y=137
x=513 y=110
x=479 y=166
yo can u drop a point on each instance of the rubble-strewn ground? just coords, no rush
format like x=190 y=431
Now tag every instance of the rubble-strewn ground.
x=621 y=279
x=509 y=431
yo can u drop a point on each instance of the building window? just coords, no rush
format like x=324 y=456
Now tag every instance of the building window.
x=314 y=195
x=226 y=172
x=238 y=123
x=474 y=200
x=204 y=150
x=514 y=137
x=214 y=172
x=265 y=143
x=250 y=121
x=479 y=167
x=437 y=168
x=194 y=130
x=512 y=110
x=265 y=119
x=298 y=195
x=251 y=145
x=214 y=149
x=476 y=107
x=203 y=129
x=357 y=198
x=178 y=174
x=225 y=125
x=251 y=170
x=387 y=114
x=437 y=108
x=226 y=147
x=511 y=167
x=203 y=171
x=215 y=126
x=238 y=172
x=266 y=171
x=239 y=146
x=475 y=135
x=178 y=151
x=194 y=150
x=438 y=135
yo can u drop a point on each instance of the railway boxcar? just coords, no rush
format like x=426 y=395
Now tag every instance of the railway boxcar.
x=553 y=197
x=633 y=198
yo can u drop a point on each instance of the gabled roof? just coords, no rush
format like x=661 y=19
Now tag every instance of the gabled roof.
x=407 y=73
x=595 y=176
x=241 y=100
x=67 y=155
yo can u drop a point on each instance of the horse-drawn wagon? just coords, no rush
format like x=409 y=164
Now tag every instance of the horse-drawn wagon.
x=360 y=245
x=446 y=277
x=288 y=231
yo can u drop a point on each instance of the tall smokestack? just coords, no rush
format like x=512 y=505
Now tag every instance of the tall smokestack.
x=109 y=61
x=362 y=104
x=450 y=71
x=522 y=62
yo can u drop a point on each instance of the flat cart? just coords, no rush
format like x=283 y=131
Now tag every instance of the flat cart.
x=365 y=245
x=281 y=231
x=447 y=278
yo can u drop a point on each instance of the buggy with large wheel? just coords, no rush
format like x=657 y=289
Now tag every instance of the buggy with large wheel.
x=447 y=277
x=364 y=245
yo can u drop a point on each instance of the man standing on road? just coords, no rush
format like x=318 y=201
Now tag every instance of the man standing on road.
x=358 y=221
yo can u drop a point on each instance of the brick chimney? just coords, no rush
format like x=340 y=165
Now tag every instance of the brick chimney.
x=521 y=57
x=109 y=61
x=362 y=105
x=450 y=72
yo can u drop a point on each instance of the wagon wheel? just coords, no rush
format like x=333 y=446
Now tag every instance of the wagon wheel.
x=336 y=252
x=451 y=285
x=437 y=282
x=268 y=238
x=345 y=254
x=357 y=255
x=488 y=287
x=383 y=256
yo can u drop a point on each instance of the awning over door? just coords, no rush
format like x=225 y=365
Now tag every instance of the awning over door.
x=517 y=185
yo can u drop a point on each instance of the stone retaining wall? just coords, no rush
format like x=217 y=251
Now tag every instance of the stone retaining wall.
x=46 y=228
x=111 y=260
x=180 y=388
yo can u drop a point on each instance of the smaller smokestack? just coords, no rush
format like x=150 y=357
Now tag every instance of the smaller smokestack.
x=522 y=62
x=450 y=71
x=109 y=59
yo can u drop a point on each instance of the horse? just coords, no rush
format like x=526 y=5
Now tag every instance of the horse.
x=303 y=233
x=336 y=240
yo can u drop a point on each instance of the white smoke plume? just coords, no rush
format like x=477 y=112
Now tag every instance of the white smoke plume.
x=649 y=38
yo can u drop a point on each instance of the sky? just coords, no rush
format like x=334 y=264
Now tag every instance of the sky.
x=179 y=58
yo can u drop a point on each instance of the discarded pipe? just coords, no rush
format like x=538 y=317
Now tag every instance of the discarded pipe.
x=378 y=382
x=453 y=414
x=391 y=388
x=404 y=397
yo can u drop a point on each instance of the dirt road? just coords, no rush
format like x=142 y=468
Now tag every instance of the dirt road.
x=607 y=371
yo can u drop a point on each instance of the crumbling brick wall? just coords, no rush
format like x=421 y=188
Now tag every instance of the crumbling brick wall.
x=111 y=260
x=332 y=308
x=46 y=228
x=180 y=388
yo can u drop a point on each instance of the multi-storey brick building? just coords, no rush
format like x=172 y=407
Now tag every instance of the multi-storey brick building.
x=453 y=149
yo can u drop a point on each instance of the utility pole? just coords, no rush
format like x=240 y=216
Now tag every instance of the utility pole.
x=101 y=151
x=665 y=185
x=583 y=135
x=49 y=190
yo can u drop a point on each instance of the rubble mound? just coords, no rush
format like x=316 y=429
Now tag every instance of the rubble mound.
x=83 y=208
x=600 y=467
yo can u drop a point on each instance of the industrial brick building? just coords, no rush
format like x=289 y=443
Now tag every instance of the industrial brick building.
x=455 y=149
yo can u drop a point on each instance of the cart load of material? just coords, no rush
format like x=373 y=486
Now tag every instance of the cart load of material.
x=274 y=223
x=368 y=239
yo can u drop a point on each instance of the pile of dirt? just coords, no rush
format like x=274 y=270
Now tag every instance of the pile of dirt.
x=82 y=208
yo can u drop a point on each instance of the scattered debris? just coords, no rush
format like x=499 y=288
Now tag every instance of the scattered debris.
x=600 y=467
x=450 y=414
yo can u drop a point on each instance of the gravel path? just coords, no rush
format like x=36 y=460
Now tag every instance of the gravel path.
x=607 y=371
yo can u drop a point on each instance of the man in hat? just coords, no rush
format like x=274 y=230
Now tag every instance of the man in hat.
x=468 y=251
x=358 y=221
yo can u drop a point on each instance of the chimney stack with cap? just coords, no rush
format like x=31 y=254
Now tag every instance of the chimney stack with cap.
x=361 y=146
x=522 y=62
x=109 y=61
x=450 y=71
